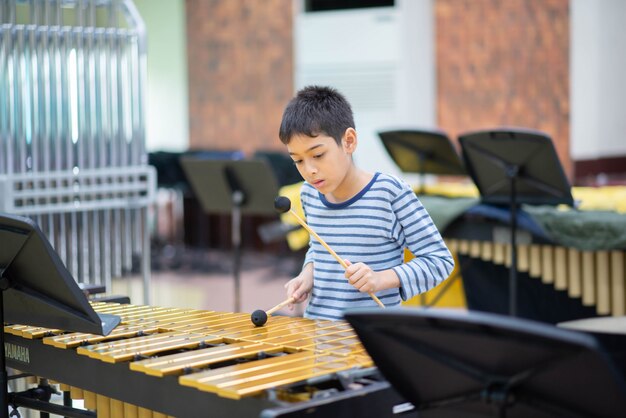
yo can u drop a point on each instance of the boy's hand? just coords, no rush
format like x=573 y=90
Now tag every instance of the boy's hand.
x=362 y=277
x=299 y=288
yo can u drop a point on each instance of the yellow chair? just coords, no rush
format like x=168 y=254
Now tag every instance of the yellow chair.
x=448 y=294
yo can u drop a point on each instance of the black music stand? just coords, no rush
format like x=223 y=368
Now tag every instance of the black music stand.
x=423 y=152
x=473 y=364
x=36 y=289
x=513 y=166
x=235 y=187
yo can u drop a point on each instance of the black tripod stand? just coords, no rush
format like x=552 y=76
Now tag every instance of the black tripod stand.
x=235 y=187
x=514 y=166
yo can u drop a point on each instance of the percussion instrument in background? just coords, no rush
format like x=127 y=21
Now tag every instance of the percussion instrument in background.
x=597 y=278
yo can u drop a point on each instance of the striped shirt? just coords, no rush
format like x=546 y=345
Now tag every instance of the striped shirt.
x=373 y=227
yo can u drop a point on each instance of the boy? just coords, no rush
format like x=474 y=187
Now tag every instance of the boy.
x=366 y=218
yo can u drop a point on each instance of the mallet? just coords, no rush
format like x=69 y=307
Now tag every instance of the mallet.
x=282 y=204
x=259 y=317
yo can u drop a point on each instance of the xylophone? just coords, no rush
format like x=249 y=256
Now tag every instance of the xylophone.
x=598 y=278
x=187 y=363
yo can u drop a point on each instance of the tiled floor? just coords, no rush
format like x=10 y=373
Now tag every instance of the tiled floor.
x=208 y=282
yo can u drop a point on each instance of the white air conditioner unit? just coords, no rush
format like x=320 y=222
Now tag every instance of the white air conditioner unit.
x=381 y=58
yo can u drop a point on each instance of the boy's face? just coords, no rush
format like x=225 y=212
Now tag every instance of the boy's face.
x=321 y=161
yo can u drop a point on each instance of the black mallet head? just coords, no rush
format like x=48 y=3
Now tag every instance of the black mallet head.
x=282 y=204
x=258 y=318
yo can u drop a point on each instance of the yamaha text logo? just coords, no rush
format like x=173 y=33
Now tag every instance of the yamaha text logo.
x=16 y=352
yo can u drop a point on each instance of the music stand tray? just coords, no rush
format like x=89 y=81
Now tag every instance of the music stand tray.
x=495 y=158
x=423 y=152
x=472 y=364
x=37 y=288
x=215 y=181
x=513 y=166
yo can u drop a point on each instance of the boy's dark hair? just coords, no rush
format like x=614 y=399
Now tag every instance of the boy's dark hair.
x=316 y=110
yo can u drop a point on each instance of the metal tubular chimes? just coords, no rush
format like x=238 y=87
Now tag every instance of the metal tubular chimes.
x=72 y=134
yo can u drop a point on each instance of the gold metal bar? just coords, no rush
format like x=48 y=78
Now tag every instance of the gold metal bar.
x=310 y=337
x=315 y=341
x=103 y=406
x=143 y=413
x=12 y=329
x=257 y=385
x=215 y=322
x=117 y=409
x=535 y=261
x=355 y=351
x=90 y=400
x=343 y=346
x=165 y=316
x=547 y=264
x=77 y=339
x=474 y=249
x=209 y=378
x=560 y=268
x=486 y=251
x=498 y=253
x=589 y=287
x=603 y=281
x=618 y=276
x=234 y=328
x=152 y=347
x=137 y=342
x=573 y=268
x=178 y=363
x=33 y=333
x=507 y=255
x=463 y=246
x=452 y=245
x=76 y=393
x=523 y=258
x=130 y=411
x=293 y=328
x=270 y=375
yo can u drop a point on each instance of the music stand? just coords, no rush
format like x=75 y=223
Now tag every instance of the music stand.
x=235 y=187
x=513 y=166
x=423 y=152
x=36 y=289
x=473 y=364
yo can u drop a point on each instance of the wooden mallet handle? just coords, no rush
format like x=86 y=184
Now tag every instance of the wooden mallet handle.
x=280 y=305
x=321 y=241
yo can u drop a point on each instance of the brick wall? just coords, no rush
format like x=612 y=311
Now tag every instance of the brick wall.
x=499 y=62
x=504 y=62
x=240 y=72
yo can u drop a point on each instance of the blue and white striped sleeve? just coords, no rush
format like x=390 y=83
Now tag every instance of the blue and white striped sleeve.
x=310 y=254
x=309 y=257
x=433 y=262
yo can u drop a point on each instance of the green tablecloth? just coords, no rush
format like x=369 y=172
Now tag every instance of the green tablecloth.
x=444 y=210
x=584 y=230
